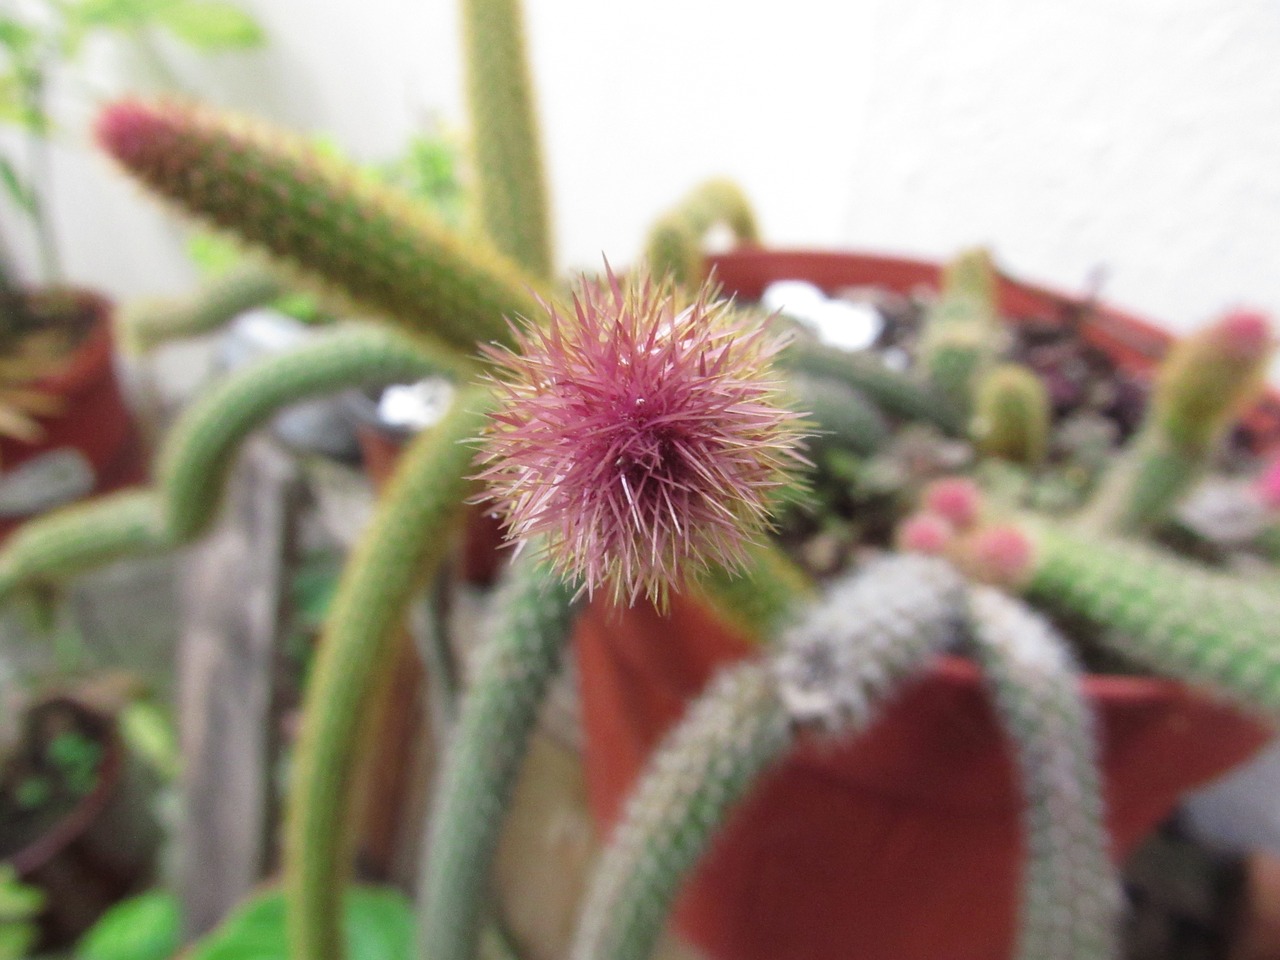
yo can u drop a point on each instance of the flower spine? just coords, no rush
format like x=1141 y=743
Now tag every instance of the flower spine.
x=638 y=438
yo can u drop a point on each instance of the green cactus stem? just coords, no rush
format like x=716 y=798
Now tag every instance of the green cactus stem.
x=511 y=189
x=403 y=544
x=198 y=453
x=843 y=418
x=893 y=392
x=962 y=330
x=672 y=251
x=835 y=668
x=46 y=552
x=759 y=599
x=1170 y=616
x=1012 y=415
x=1070 y=889
x=1203 y=385
x=535 y=612
x=340 y=229
x=674 y=245
x=729 y=737
x=147 y=325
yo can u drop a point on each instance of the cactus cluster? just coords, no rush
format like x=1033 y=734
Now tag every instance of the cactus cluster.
x=623 y=426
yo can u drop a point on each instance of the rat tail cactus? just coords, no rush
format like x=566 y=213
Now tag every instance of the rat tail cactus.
x=1071 y=891
x=674 y=246
x=834 y=669
x=1202 y=387
x=221 y=299
x=333 y=224
x=535 y=613
x=510 y=185
x=962 y=333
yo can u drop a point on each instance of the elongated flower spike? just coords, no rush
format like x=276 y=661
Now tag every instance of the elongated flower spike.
x=640 y=436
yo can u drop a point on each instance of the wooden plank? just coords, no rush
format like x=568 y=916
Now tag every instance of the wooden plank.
x=234 y=589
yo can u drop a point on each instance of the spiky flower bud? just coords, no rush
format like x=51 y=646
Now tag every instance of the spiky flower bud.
x=639 y=436
x=957 y=499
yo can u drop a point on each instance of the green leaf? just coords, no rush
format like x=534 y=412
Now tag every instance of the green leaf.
x=146 y=927
x=17 y=900
x=379 y=926
x=212 y=25
x=16 y=940
x=15 y=36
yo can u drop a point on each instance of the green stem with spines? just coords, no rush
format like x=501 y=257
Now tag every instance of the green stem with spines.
x=1012 y=415
x=837 y=666
x=198 y=453
x=148 y=325
x=511 y=188
x=1171 y=616
x=674 y=244
x=535 y=614
x=895 y=393
x=1070 y=889
x=734 y=732
x=59 y=545
x=339 y=228
x=961 y=335
x=403 y=544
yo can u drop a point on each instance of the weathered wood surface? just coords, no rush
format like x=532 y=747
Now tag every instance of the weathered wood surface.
x=234 y=591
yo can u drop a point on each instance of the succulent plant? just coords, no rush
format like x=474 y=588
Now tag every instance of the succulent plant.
x=637 y=437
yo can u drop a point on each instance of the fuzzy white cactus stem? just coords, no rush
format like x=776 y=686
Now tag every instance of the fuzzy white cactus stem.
x=836 y=667
x=1071 y=890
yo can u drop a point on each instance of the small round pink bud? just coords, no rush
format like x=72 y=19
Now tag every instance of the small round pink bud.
x=1001 y=555
x=957 y=499
x=925 y=532
x=1267 y=486
x=1244 y=333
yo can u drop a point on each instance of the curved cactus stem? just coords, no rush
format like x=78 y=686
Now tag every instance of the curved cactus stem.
x=1168 y=615
x=198 y=453
x=404 y=542
x=147 y=325
x=674 y=245
x=732 y=734
x=59 y=545
x=672 y=251
x=511 y=188
x=1070 y=889
x=837 y=667
x=339 y=228
x=535 y=613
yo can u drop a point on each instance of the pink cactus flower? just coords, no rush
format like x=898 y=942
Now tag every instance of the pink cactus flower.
x=640 y=439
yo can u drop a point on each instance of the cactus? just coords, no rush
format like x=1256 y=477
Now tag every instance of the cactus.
x=196 y=456
x=895 y=393
x=1012 y=416
x=535 y=611
x=399 y=550
x=510 y=186
x=674 y=246
x=1071 y=892
x=962 y=333
x=843 y=417
x=836 y=666
x=45 y=552
x=1173 y=617
x=148 y=325
x=343 y=231
x=1202 y=386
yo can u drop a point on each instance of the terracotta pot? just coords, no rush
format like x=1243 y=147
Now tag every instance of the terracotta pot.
x=906 y=843
x=92 y=446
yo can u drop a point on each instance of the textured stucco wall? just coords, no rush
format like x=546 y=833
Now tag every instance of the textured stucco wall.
x=1136 y=135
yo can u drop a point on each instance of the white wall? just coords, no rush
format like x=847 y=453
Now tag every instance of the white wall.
x=1137 y=135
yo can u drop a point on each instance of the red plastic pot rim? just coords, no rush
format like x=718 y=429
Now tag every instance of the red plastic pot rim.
x=1134 y=343
x=91 y=357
